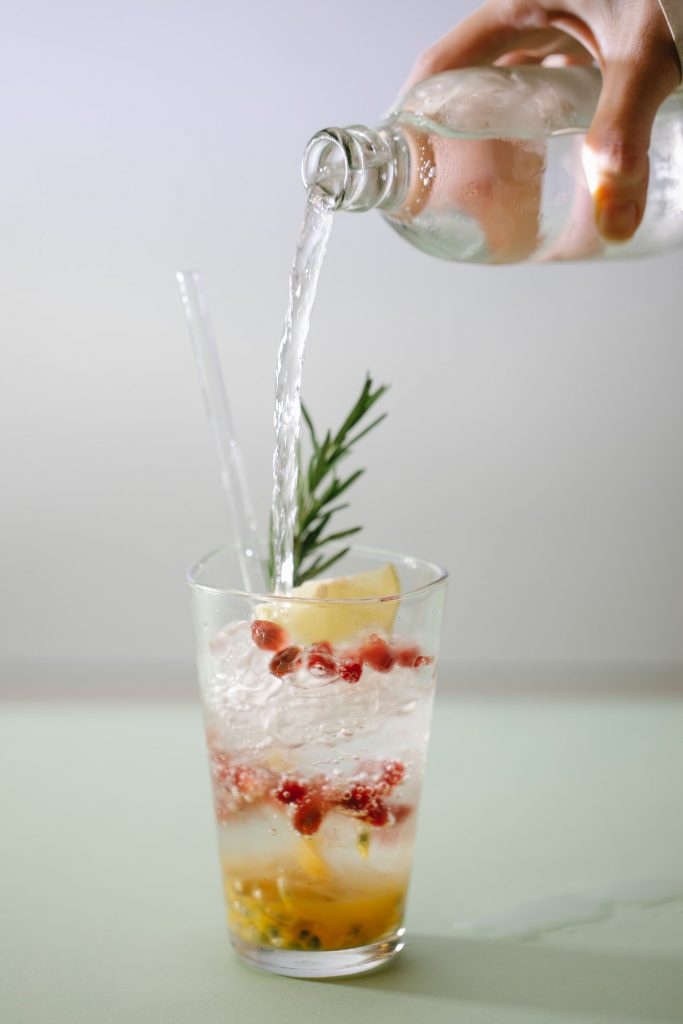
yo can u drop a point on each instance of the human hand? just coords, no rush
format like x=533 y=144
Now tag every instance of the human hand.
x=633 y=45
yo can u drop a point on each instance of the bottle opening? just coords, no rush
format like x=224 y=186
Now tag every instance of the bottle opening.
x=326 y=164
x=356 y=167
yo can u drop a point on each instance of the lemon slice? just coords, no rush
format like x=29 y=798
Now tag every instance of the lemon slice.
x=311 y=623
x=311 y=860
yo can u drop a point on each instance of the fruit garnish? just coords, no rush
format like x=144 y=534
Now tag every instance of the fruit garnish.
x=376 y=813
x=377 y=653
x=236 y=785
x=319 y=488
x=311 y=860
x=364 y=797
x=393 y=773
x=356 y=797
x=410 y=656
x=349 y=670
x=239 y=785
x=286 y=661
x=363 y=842
x=423 y=659
x=251 y=783
x=303 y=910
x=220 y=765
x=320 y=660
x=399 y=812
x=340 y=608
x=407 y=656
x=269 y=636
x=309 y=814
x=290 y=791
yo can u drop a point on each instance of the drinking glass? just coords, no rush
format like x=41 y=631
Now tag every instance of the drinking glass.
x=317 y=707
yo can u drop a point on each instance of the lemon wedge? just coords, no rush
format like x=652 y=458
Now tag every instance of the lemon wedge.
x=311 y=860
x=311 y=623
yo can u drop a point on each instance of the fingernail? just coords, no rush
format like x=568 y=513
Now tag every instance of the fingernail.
x=617 y=221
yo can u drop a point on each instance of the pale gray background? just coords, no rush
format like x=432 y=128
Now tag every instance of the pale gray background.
x=535 y=439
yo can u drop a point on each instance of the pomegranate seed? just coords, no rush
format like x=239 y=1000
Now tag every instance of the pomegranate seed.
x=350 y=670
x=291 y=792
x=393 y=773
x=377 y=653
x=220 y=766
x=376 y=813
x=407 y=656
x=309 y=815
x=356 y=798
x=268 y=635
x=399 y=812
x=320 y=661
x=286 y=661
x=250 y=782
x=424 y=659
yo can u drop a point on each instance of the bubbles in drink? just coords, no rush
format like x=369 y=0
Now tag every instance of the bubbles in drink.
x=249 y=705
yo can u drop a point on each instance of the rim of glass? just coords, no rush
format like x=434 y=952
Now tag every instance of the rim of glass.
x=440 y=579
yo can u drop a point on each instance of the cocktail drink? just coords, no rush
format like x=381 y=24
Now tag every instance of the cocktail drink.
x=317 y=708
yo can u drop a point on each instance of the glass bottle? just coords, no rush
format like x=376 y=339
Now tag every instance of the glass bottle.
x=484 y=165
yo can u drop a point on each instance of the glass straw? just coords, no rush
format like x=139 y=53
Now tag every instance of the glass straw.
x=244 y=526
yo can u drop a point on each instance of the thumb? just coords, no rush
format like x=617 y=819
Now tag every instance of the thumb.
x=615 y=155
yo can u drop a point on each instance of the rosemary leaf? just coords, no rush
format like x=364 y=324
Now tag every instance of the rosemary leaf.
x=320 y=486
x=319 y=567
x=331 y=537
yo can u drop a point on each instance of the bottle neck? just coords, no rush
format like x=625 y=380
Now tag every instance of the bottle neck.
x=357 y=167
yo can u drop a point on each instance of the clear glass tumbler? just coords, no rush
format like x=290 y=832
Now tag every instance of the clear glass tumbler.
x=317 y=709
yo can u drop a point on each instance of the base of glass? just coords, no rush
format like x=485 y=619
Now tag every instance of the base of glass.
x=333 y=963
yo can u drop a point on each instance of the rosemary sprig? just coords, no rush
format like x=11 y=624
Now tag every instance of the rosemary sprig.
x=320 y=486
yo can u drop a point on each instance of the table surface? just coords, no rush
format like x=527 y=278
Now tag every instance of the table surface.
x=548 y=880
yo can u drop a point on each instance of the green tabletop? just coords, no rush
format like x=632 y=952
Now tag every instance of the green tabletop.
x=548 y=881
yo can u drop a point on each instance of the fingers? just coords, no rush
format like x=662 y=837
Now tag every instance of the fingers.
x=481 y=38
x=557 y=50
x=516 y=58
x=635 y=51
x=615 y=153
